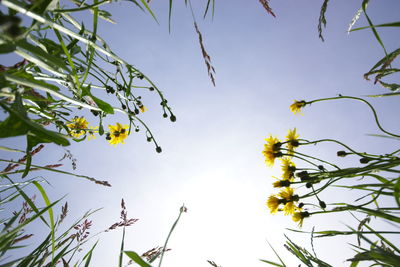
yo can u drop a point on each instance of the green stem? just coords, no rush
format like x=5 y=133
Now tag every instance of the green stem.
x=359 y=99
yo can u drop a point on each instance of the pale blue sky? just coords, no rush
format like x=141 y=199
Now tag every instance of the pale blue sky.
x=211 y=158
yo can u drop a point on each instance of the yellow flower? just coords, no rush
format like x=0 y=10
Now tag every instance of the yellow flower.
x=287 y=193
x=288 y=169
x=299 y=217
x=92 y=131
x=273 y=203
x=281 y=183
x=289 y=198
x=289 y=208
x=118 y=133
x=142 y=108
x=297 y=105
x=78 y=127
x=271 y=150
x=292 y=139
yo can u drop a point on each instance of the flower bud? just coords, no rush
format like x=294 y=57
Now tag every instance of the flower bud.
x=364 y=160
x=341 y=153
x=172 y=118
x=158 y=149
x=322 y=204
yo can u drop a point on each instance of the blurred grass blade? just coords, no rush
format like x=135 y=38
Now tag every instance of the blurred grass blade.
x=148 y=9
x=121 y=251
x=355 y=18
x=378 y=38
x=27 y=199
x=169 y=16
x=276 y=254
x=273 y=263
x=136 y=258
x=51 y=217
x=88 y=255
x=181 y=210
x=392 y=24
x=11 y=149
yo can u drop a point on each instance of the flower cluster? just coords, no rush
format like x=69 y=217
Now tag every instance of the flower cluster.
x=80 y=127
x=286 y=200
x=273 y=148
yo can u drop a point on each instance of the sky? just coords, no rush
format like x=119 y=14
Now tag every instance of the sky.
x=211 y=160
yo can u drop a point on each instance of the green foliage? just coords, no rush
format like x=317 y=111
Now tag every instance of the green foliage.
x=376 y=179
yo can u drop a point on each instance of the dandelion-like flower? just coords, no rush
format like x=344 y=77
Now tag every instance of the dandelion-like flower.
x=289 y=198
x=142 y=108
x=271 y=150
x=273 y=203
x=299 y=217
x=78 y=127
x=287 y=193
x=118 y=133
x=297 y=105
x=92 y=131
x=281 y=183
x=288 y=169
x=292 y=141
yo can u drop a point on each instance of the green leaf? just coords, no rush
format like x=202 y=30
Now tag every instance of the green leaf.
x=104 y=106
x=396 y=193
x=392 y=24
x=273 y=263
x=376 y=34
x=53 y=61
x=88 y=255
x=51 y=217
x=19 y=113
x=136 y=258
x=148 y=9
x=10 y=149
x=7 y=48
x=26 y=77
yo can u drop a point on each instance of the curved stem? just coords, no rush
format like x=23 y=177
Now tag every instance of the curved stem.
x=359 y=99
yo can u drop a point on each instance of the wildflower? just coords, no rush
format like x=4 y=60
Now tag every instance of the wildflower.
x=281 y=183
x=273 y=203
x=92 y=131
x=272 y=150
x=288 y=169
x=299 y=217
x=142 y=108
x=118 y=133
x=292 y=141
x=289 y=208
x=289 y=198
x=297 y=105
x=78 y=127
